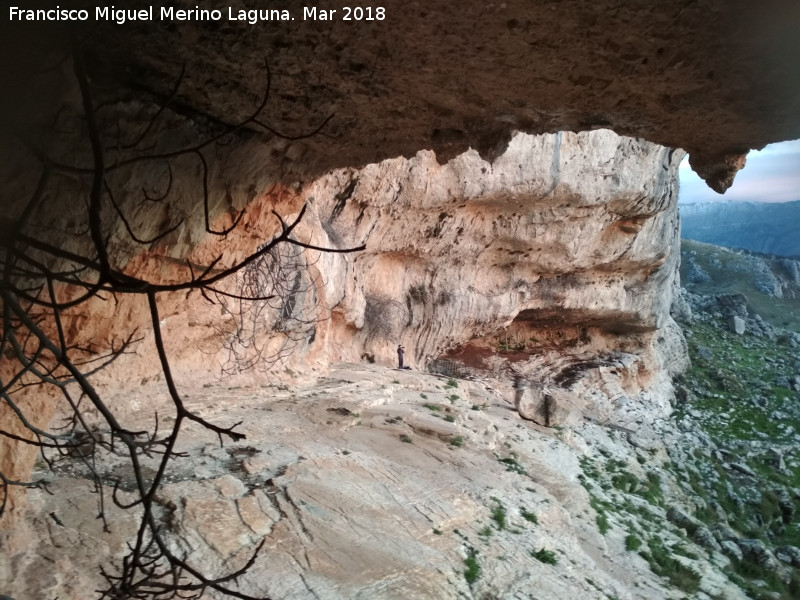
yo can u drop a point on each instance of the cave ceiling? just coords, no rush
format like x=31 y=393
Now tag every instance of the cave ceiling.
x=715 y=77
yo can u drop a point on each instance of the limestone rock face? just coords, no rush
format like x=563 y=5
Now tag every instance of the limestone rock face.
x=357 y=494
x=757 y=551
x=564 y=230
x=545 y=406
x=566 y=239
x=556 y=261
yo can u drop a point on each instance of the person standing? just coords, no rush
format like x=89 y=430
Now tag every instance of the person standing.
x=400 y=353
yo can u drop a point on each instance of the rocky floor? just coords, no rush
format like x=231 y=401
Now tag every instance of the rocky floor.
x=376 y=483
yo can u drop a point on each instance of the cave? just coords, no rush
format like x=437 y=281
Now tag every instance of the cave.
x=197 y=204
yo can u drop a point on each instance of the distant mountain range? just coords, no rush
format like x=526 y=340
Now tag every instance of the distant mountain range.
x=770 y=228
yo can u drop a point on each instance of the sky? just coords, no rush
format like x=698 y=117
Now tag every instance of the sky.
x=771 y=175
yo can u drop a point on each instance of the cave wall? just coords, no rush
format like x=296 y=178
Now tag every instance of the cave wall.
x=581 y=234
x=563 y=230
x=570 y=238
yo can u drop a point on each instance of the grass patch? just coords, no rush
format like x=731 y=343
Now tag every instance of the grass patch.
x=729 y=275
x=512 y=464
x=529 y=516
x=453 y=398
x=602 y=518
x=548 y=557
x=450 y=418
x=602 y=523
x=662 y=563
x=432 y=407
x=499 y=514
x=457 y=441
x=473 y=569
x=632 y=543
x=451 y=383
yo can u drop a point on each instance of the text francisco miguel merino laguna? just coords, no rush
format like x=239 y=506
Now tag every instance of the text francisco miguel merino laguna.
x=169 y=13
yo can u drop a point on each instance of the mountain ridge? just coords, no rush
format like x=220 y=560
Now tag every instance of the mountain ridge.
x=768 y=228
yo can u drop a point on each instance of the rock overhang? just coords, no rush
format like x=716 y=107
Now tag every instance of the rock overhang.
x=715 y=78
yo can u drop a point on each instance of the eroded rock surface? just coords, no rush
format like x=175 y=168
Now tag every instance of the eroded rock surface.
x=358 y=495
x=555 y=261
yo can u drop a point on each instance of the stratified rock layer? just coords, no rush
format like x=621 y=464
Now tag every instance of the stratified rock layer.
x=378 y=484
x=555 y=262
x=564 y=230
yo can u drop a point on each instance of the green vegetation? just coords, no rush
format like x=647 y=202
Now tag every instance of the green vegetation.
x=406 y=438
x=602 y=523
x=437 y=531
x=512 y=464
x=432 y=407
x=499 y=514
x=453 y=398
x=730 y=274
x=664 y=564
x=728 y=381
x=451 y=383
x=486 y=532
x=423 y=396
x=735 y=400
x=457 y=441
x=450 y=418
x=473 y=570
x=632 y=543
x=529 y=516
x=546 y=556
x=733 y=395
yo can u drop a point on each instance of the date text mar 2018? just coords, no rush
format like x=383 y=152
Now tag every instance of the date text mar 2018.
x=346 y=13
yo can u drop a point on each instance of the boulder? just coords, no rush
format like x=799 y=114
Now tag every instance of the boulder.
x=792 y=553
x=695 y=273
x=704 y=538
x=730 y=549
x=704 y=352
x=683 y=520
x=742 y=468
x=786 y=504
x=724 y=533
x=775 y=459
x=792 y=268
x=736 y=325
x=647 y=441
x=681 y=309
x=732 y=305
x=755 y=551
x=546 y=406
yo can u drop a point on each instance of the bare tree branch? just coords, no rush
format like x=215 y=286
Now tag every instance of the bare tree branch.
x=268 y=299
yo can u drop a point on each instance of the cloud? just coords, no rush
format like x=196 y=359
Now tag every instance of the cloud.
x=771 y=175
